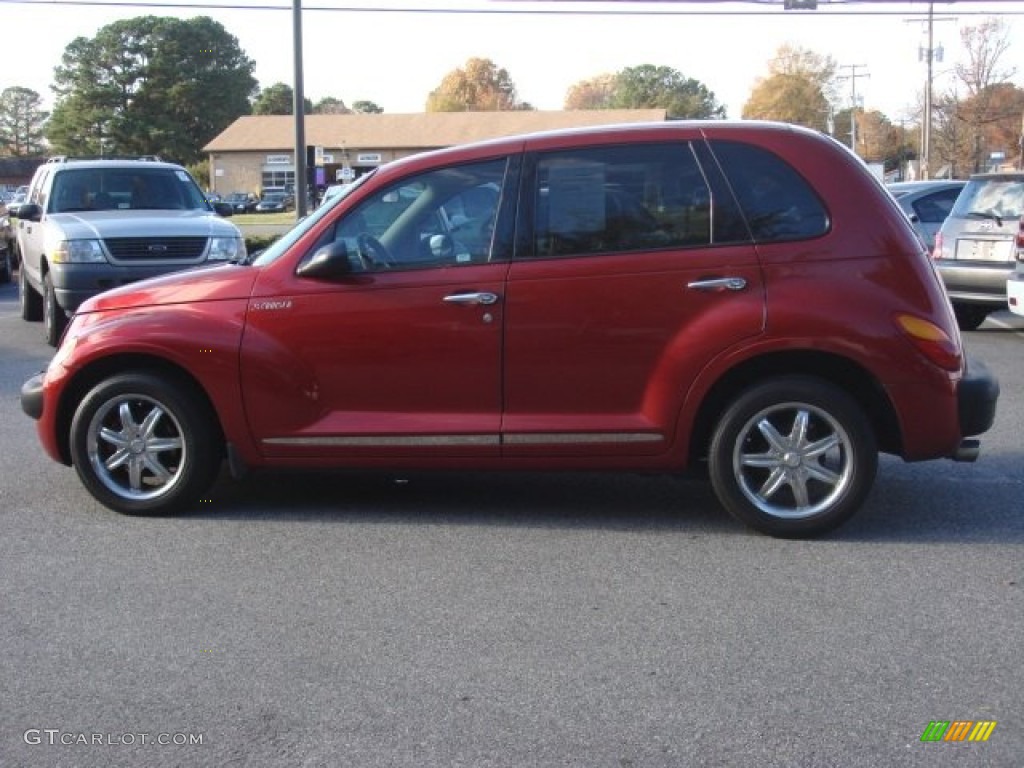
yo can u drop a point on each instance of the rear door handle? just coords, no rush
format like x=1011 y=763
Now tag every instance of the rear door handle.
x=476 y=297
x=718 y=284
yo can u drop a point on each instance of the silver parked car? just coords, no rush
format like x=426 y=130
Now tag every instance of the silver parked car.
x=927 y=203
x=975 y=249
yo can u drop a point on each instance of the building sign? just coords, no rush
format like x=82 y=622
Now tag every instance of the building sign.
x=279 y=159
x=369 y=157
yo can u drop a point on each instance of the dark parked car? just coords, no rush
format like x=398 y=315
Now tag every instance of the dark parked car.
x=744 y=297
x=975 y=249
x=275 y=202
x=242 y=202
x=927 y=203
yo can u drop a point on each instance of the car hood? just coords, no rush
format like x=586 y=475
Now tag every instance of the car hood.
x=209 y=283
x=102 y=224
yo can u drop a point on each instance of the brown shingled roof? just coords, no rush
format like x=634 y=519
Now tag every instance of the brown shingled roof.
x=422 y=130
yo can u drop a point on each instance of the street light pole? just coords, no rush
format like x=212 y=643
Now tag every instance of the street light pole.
x=298 y=110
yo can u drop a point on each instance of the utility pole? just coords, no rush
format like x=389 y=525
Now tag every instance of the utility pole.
x=930 y=54
x=852 y=77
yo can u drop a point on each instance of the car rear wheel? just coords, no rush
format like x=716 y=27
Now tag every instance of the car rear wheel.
x=30 y=302
x=54 y=319
x=793 y=457
x=970 y=316
x=6 y=266
x=144 y=444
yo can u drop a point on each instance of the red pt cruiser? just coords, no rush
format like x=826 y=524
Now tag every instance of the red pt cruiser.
x=644 y=297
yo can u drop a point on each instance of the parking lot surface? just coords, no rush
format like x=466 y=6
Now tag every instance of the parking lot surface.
x=371 y=619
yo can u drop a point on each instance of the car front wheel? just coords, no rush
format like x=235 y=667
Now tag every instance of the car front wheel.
x=144 y=444
x=793 y=457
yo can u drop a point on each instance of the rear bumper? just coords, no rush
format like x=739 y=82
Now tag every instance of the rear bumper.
x=977 y=396
x=1015 y=292
x=32 y=397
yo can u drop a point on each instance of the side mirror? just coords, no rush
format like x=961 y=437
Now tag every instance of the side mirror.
x=327 y=263
x=30 y=212
x=12 y=210
x=223 y=209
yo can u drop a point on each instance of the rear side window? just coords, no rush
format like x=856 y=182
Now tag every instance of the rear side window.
x=934 y=208
x=621 y=198
x=777 y=202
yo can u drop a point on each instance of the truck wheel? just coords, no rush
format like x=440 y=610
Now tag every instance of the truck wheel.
x=144 y=444
x=793 y=457
x=30 y=302
x=54 y=319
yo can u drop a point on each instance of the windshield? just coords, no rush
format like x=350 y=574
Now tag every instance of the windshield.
x=135 y=188
x=279 y=247
x=991 y=197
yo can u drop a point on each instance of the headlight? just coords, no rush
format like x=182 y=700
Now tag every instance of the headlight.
x=77 y=252
x=226 y=249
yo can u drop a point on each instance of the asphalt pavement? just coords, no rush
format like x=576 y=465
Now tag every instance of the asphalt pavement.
x=373 y=619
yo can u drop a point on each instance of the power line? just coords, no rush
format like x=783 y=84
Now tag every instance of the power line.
x=776 y=8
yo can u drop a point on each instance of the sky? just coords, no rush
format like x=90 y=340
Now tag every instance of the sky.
x=394 y=52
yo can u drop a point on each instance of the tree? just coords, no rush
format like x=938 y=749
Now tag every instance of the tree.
x=278 y=99
x=329 y=105
x=648 y=86
x=595 y=93
x=21 y=121
x=967 y=128
x=480 y=86
x=799 y=89
x=364 y=107
x=150 y=85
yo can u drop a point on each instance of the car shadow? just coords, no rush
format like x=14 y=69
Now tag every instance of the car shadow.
x=909 y=502
x=618 y=501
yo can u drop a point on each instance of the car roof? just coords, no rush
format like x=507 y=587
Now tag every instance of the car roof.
x=109 y=163
x=712 y=129
x=999 y=176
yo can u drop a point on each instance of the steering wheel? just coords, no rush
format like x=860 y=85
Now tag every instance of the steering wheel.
x=372 y=252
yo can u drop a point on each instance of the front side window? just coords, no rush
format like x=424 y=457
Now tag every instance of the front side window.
x=439 y=218
x=620 y=198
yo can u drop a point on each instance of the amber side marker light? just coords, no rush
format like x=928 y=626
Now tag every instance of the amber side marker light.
x=931 y=341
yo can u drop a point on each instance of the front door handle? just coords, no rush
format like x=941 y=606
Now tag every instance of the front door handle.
x=718 y=284
x=475 y=297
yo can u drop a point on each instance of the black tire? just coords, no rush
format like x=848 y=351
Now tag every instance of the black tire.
x=145 y=444
x=30 y=302
x=793 y=457
x=54 y=318
x=970 y=316
x=6 y=266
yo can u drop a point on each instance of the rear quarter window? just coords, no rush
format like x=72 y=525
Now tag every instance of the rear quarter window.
x=777 y=202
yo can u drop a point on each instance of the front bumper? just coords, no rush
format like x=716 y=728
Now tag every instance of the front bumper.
x=976 y=398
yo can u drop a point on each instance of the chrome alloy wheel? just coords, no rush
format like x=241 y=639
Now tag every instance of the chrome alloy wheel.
x=793 y=460
x=136 y=447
